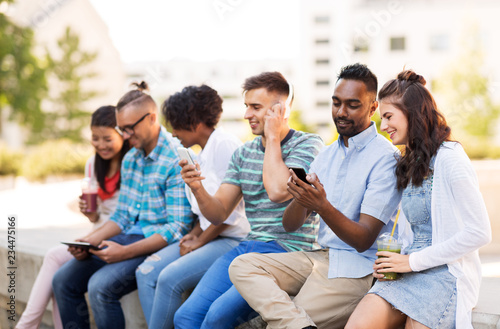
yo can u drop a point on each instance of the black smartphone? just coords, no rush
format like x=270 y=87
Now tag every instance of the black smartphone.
x=301 y=174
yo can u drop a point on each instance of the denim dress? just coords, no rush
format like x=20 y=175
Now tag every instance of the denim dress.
x=430 y=296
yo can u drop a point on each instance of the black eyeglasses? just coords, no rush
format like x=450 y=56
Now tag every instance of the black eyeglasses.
x=130 y=129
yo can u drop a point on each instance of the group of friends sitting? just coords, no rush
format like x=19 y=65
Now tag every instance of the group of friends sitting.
x=251 y=237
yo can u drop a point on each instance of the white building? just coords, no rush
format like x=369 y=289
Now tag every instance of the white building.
x=227 y=77
x=389 y=35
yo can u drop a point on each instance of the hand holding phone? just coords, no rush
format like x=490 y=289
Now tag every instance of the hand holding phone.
x=301 y=174
x=184 y=155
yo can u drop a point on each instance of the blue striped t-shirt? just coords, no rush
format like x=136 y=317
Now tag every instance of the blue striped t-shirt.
x=298 y=149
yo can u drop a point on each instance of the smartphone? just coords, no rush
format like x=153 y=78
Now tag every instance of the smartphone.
x=301 y=174
x=184 y=155
x=80 y=244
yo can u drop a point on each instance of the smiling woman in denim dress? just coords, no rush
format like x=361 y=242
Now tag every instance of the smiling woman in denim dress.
x=444 y=215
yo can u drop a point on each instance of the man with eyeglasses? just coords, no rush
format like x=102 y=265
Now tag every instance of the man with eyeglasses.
x=152 y=212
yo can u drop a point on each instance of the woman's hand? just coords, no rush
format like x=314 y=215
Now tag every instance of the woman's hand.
x=390 y=262
x=92 y=216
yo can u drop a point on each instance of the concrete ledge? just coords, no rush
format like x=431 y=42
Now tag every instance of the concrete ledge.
x=485 y=316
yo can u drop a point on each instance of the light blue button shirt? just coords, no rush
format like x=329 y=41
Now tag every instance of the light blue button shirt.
x=357 y=179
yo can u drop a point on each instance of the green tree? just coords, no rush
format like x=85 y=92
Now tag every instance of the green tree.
x=23 y=84
x=465 y=89
x=296 y=122
x=67 y=115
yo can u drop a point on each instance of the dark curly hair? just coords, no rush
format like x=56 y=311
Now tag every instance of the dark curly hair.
x=105 y=117
x=193 y=105
x=361 y=73
x=427 y=127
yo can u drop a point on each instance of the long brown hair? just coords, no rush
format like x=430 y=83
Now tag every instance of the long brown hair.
x=427 y=127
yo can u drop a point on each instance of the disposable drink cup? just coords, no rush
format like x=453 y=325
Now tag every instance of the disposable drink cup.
x=391 y=245
x=89 y=194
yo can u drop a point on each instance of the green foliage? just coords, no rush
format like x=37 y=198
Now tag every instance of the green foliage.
x=10 y=162
x=67 y=116
x=478 y=151
x=23 y=83
x=56 y=158
x=295 y=121
x=466 y=90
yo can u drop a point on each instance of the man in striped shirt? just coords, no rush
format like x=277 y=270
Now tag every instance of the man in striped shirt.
x=258 y=173
x=152 y=212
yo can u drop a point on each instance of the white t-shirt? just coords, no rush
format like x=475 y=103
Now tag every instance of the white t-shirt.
x=214 y=160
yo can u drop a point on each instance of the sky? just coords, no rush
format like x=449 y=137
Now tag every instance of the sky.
x=202 y=30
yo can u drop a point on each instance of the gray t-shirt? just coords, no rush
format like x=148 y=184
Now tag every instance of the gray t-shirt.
x=298 y=149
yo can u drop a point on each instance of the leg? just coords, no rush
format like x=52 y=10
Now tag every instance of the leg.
x=412 y=324
x=228 y=311
x=231 y=309
x=112 y=282
x=266 y=281
x=42 y=290
x=374 y=309
x=147 y=277
x=69 y=285
x=330 y=302
x=181 y=275
x=212 y=285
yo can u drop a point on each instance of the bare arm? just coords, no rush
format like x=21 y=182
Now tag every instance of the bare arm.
x=218 y=207
x=359 y=235
x=294 y=216
x=275 y=172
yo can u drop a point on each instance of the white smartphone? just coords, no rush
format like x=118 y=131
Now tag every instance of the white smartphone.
x=184 y=155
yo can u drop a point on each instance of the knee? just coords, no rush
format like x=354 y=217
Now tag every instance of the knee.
x=241 y=267
x=145 y=274
x=56 y=255
x=355 y=322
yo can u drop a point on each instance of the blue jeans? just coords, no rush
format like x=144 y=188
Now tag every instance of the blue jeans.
x=165 y=275
x=215 y=303
x=106 y=284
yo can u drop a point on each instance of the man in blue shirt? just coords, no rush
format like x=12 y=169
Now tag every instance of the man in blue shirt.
x=152 y=212
x=353 y=189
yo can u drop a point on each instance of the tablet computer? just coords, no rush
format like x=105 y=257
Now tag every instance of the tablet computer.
x=80 y=244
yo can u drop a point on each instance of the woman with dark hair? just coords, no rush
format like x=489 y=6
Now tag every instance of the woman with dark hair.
x=104 y=166
x=443 y=224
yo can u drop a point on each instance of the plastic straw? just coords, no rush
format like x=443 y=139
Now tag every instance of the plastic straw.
x=394 y=226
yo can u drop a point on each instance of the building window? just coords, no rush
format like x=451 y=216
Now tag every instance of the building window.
x=322 y=19
x=322 y=104
x=322 y=61
x=398 y=43
x=440 y=42
x=360 y=45
x=322 y=83
x=322 y=41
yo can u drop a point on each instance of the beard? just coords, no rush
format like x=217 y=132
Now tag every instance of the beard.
x=351 y=130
